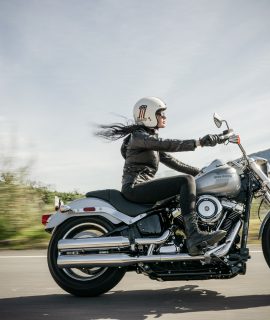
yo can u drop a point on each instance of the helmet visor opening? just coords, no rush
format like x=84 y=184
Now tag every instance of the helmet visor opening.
x=161 y=113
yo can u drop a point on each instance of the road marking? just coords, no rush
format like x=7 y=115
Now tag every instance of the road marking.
x=7 y=257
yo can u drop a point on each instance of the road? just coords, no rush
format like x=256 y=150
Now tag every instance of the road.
x=28 y=292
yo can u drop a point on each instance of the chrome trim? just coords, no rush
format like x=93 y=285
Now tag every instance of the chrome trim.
x=224 y=248
x=160 y=240
x=232 y=205
x=265 y=180
x=150 y=249
x=64 y=208
x=202 y=200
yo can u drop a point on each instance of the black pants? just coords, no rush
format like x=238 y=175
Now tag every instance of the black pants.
x=155 y=190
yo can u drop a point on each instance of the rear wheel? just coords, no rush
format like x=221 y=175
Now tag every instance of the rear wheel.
x=82 y=281
x=266 y=242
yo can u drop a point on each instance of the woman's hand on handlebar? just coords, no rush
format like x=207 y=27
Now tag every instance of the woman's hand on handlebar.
x=210 y=140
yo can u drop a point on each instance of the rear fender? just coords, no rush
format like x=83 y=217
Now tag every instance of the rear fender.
x=58 y=218
x=77 y=209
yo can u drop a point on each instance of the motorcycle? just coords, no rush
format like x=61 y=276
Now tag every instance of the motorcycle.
x=97 y=239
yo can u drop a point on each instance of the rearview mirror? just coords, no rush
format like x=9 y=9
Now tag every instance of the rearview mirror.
x=217 y=119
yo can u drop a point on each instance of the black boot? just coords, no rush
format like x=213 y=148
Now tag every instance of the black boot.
x=197 y=239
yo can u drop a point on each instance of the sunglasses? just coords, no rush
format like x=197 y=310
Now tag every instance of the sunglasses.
x=162 y=114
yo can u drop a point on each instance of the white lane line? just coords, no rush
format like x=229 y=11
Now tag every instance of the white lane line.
x=7 y=257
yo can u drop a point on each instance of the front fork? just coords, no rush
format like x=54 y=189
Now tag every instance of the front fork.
x=246 y=219
x=244 y=251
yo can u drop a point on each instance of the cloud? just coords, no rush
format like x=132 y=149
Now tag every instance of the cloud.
x=65 y=65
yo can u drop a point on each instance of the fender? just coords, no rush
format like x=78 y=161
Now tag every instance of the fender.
x=101 y=209
x=266 y=218
x=58 y=218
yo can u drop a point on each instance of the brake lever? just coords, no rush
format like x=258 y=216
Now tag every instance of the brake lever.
x=229 y=136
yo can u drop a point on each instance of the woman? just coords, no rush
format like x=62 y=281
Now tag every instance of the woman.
x=143 y=150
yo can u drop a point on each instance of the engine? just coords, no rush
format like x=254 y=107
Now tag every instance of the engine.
x=213 y=212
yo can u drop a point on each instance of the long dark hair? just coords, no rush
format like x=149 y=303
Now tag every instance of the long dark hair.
x=116 y=131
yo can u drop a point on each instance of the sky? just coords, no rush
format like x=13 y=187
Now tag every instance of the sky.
x=68 y=65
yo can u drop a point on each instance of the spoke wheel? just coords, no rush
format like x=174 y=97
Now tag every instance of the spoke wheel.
x=80 y=231
x=82 y=281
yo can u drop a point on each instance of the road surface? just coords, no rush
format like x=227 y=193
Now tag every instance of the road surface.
x=28 y=292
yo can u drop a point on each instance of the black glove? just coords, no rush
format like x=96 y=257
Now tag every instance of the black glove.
x=210 y=140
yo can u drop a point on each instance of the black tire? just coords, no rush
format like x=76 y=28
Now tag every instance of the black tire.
x=92 y=281
x=266 y=242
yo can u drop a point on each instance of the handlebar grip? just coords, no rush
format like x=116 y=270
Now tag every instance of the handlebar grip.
x=226 y=134
x=222 y=138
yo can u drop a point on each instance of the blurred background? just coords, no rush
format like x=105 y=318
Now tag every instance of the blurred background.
x=67 y=66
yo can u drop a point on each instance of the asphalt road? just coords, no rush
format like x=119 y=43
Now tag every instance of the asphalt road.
x=28 y=292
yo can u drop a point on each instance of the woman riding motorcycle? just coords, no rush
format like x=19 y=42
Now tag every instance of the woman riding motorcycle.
x=143 y=150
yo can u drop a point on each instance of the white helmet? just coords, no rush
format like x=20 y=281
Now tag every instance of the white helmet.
x=145 y=109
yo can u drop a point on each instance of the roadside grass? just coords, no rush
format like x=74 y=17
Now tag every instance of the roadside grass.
x=254 y=228
x=30 y=238
x=21 y=207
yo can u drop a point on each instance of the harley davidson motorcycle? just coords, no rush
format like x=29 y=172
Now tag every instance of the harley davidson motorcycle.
x=97 y=239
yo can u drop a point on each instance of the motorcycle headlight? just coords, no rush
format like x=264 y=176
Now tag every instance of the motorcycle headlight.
x=263 y=164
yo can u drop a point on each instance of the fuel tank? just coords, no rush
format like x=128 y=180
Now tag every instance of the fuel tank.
x=218 y=179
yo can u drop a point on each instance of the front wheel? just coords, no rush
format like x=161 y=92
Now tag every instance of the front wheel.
x=266 y=242
x=87 y=282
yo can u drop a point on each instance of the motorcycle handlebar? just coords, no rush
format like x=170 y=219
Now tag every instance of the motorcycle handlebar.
x=230 y=136
x=225 y=135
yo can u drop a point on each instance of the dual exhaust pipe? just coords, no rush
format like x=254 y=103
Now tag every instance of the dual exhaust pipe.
x=118 y=260
x=123 y=259
x=105 y=243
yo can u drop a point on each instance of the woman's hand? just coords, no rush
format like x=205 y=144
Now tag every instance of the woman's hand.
x=210 y=140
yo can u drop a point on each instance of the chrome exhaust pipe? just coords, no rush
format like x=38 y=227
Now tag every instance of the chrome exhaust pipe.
x=224 y=248
x=93 y=243
x=116 y=260
x=103 y=243
x=160 y=240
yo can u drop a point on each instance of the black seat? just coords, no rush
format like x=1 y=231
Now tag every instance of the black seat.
x=116 y=199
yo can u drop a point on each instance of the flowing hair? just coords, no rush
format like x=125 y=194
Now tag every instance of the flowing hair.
x=117 y=131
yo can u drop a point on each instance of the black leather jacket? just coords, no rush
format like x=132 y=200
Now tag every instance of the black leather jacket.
x=143 y=151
